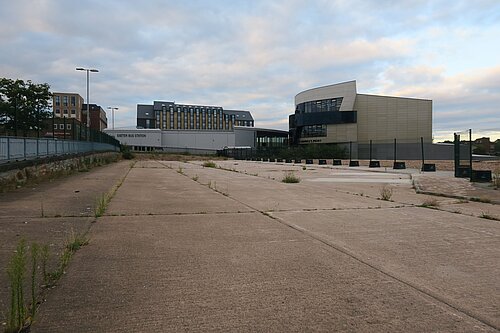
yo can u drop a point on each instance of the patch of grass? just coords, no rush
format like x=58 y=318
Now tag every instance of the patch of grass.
x=482 y=199
x=304 y=168
x=209 y=164
x=386 y=193
x=180 y=170
x=488 y=217
x=195 y=178
x=290 y=178
x=430 y=202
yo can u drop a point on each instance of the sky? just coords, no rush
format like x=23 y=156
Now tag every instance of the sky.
x=256 y=55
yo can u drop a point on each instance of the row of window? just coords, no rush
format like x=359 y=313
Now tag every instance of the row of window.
x=324 y=105
x=193 y=118
x=57 y=100
x=65 y=111
x=61 y=126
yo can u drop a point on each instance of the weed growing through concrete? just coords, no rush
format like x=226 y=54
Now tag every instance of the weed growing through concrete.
x=386 y=193
x=195 y=178
x=304 y=168
x=430 y=203
x=16 y=272
x=73 y=244
x=44 y=257
x=484 y=200
x=290 y=178
x=209 y=164
x=488 y=217
x=101 y=205
x=180 y=171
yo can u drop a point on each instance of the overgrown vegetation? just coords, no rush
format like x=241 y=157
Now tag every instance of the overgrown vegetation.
x=209 y=164
x=386 y=193
x=126 y=152
x=290 y=178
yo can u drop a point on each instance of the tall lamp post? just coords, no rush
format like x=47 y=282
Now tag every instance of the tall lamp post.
x=93 y=70
x=112 y=115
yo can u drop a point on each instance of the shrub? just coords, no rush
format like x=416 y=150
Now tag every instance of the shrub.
x=290 y=178
x=430 y=202
x=126 y=152
x=385 y=193
x=209 y=164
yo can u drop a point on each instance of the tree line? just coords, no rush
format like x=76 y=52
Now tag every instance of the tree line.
x=24 y=106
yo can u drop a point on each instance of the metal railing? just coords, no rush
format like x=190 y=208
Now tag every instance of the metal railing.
x=17 y=149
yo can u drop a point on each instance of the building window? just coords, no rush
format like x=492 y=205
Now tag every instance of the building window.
x=65 y=111
x=191 y=118
x=73 y=100
x=197 y=118
x=61 y=126
x=58 y=100
x=73 y=111
x=65 y=100
x=313 y=131
x=68 y=126
x=58 y=111
x=55 y=126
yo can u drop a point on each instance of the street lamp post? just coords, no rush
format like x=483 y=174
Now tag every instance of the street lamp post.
x=112 y=115
x=93 y=70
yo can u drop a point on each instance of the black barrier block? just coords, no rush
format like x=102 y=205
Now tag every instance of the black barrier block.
x=463 y=172
x=431 y=167
x=297 y=160
x=279 y=160
x=481 y=176
x=337 y=162
x=354 y=163
x=309 y=161
x=322 y=162
x=399 y=165
x=374 y=164
x=288 y=160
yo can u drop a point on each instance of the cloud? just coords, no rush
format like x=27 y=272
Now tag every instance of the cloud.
x=257 y=55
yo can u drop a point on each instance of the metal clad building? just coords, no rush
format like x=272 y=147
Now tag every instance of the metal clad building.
x=338 y=114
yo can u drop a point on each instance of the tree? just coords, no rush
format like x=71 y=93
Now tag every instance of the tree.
x=24 y=106
x=497 y=146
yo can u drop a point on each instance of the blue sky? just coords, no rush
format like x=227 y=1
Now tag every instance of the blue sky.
x=257 y=55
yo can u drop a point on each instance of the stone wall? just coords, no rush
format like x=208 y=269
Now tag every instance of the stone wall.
x=23 y=173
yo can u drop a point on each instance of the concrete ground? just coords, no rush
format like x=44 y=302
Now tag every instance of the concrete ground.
x=184 y=247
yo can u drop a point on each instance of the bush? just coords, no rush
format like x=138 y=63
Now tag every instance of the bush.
x=386 y=193
x=126 y=152
x=209 y=164
x=290 y=178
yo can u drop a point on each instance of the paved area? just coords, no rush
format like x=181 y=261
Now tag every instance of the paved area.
x=183 y=247
x=49 y=213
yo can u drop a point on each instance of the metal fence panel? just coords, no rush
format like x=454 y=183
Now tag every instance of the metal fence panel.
x=16 y=149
